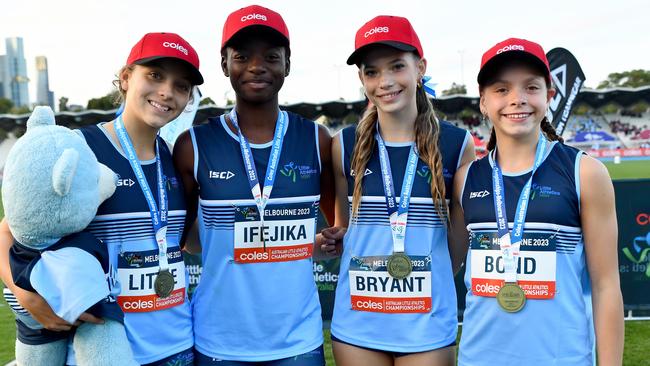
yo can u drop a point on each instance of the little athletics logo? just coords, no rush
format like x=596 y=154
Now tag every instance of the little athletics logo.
x=638 y=255
x=325 y=275
x=293 y=170
x=540 y=191
x=425 y=173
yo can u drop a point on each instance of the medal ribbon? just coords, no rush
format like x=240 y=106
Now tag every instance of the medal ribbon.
x=261 y=196
x=158 y=218
x=398 y=214
x=510 y=242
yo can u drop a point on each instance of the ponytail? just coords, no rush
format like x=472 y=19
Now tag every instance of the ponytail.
x=427 y=136
x=549 y=131
x=363 y=148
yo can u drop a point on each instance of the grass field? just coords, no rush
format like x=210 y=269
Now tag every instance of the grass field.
x=630 y=169
x=637 y=340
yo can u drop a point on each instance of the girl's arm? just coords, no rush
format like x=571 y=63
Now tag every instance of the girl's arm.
x=31 y=301
x=457 y=236
x=184 y=162
x=600 y=233
x=326 y=175
x=332 y=238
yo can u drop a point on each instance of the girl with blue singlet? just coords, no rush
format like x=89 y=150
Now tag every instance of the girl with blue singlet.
x=257 y=178
x=156 y=85
x=395 y=299
x=542 y=230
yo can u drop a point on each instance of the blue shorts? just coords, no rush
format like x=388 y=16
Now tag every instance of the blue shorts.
x=183 y=358
x=311 y=358
x=394 y=354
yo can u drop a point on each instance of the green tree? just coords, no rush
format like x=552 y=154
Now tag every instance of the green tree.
x=630 y=79
x=610 y=108
x=206 y=101
x=105 y=103
x=63 y=104
x=456 y=89
x=5 y=105
x=20 y=110
x=582 y=109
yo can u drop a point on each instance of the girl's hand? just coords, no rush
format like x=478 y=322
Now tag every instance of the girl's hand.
x=41 y=311
x=332 y=240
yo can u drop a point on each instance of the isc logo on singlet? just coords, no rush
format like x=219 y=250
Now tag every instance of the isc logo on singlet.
x=220 y=175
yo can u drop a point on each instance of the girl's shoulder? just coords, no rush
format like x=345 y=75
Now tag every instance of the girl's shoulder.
x=449 y=131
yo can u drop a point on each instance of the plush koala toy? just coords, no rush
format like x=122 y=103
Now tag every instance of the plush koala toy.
x=51 y=189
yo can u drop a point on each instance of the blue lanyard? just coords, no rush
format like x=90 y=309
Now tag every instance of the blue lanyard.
x=398 y=214
x=510 y=242
x=261 y=196
x=158 y=218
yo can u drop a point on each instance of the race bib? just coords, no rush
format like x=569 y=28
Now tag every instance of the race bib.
x=373 y=289
x=138 y=271
x=535 y=266
x=287 y=235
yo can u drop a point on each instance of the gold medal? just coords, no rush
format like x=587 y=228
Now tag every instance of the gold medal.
x=511 y=297
x=164 y=284
x=399 y=265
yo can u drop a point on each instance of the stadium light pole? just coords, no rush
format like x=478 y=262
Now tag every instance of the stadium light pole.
x=461 y=53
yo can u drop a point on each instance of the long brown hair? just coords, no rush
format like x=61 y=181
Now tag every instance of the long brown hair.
x=427 y=136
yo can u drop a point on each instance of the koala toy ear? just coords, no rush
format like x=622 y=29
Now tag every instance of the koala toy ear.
x=107 y=182
x=64 y=171
x=41 y=116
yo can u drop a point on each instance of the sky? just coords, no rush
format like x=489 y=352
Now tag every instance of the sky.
x=87 y=41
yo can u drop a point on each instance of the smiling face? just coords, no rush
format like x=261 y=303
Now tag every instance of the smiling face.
x=515 y=101
x=256 y=67
x=390 y=78
x=156 y=93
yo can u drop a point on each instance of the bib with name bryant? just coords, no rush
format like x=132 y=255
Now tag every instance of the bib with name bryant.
x=257 y=281
x=554 y=326
x=156 y=327
x=372 y=308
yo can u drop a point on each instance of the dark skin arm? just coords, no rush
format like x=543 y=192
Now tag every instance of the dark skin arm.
x=184 y=162
x=327 y=195
x=332 y=237
x=326 y=175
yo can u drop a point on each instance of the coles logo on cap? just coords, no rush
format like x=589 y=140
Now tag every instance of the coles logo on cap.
x=253 y=15
x=376 y=30
x=514 y=47
x=175 y=46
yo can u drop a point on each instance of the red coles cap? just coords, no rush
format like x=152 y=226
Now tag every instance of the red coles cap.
x=154 y=46
x=250 y=16
x=510 y=49
x=390 y=30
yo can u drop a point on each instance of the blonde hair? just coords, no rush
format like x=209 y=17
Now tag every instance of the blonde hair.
x=427 y=136
x=121 y=96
